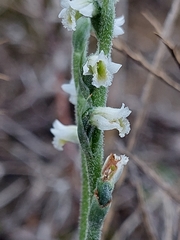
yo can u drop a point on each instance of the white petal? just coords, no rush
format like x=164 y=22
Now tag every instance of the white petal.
x=88 y=10
x=70 y=89
x=117 y=31
x=101 y=68
x=117 y=26
x=120 y=166
x=86 y=69
x=63 y=134
x=120 y=21
x=65 y=3
x=85 y=7
x=103 y=123
x=114 y=67
x=68 y=16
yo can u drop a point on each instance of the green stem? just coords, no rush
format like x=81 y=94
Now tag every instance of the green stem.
x=106 y=26
x=85 y=199
x=99 y=207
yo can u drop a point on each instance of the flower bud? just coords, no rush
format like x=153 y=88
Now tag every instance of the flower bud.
x=113 y=167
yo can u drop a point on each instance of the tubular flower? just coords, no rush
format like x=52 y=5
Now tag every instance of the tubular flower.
x=70 y=89
x=102 y=69
x=72 y=10
x=85 y=7
x=68 y=15
x=113 y=167
x=118 y=22
x=107 y=118
x=63 y=134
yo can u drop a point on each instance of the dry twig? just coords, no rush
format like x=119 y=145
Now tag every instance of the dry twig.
x=25 y=137
x=138 y=58
x=4 y=77
x=12 y=192
x=150 y=173
x=134 y=220
x=174 y=49
x=167 y=31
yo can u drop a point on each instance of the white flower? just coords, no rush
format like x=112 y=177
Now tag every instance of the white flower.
x=63 y=134
x=102 y=69
x=68 y=16
x=113 y=167
x=107 y=118
x=70 y=89
x=85 y=7
x=72 y=10
x=118 y=22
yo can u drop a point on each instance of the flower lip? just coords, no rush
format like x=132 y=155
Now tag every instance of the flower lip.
x=101 y=68
x=68 y=16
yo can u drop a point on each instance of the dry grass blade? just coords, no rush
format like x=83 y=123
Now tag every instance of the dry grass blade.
x=2 y=41
x=145 y=214
x=154 y=22
x=168 y=217
x=25 y=137
x=150 y=173
x=167 y=31
x=4 y=77
x=12 y=192
x=134 y=220
x=136 y=182
x=174 y=49
x=138 y=57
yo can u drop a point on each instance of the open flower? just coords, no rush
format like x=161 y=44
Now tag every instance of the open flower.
x=118 y=22
x=68 y=15
x=107 y=118
x=85 y=7
x=70 y=89
x=102 y=69
x=63 y=134
x=73 y=10
x=113 y=168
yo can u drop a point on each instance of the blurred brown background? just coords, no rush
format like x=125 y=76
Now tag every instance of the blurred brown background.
x=39 y=186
